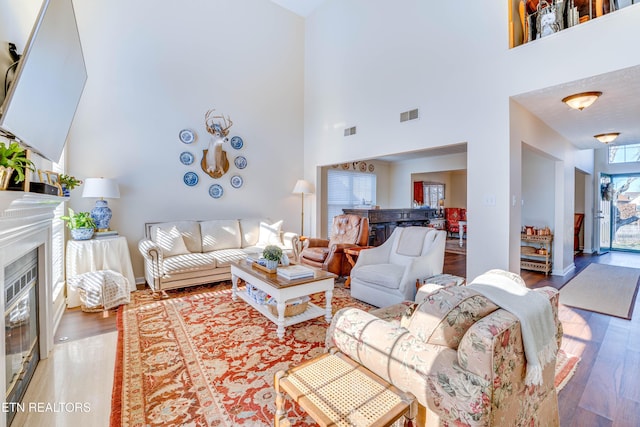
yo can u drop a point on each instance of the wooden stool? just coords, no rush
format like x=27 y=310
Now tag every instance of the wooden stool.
x=336 y=391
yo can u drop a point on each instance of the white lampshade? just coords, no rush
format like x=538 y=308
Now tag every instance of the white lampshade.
x=101 y=188
x=303 y=187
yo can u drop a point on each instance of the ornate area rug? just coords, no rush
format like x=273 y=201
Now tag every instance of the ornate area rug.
x=453 y=246
x=566 y=365
x=205 y=360
x=201 y=359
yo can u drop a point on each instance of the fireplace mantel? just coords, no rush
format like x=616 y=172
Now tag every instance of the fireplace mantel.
x=26 y=224
x=19 y=210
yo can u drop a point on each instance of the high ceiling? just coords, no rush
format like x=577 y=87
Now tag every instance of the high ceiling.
x=617 y=110
x=299 y=7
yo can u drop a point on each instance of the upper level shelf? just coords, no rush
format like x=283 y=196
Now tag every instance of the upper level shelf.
x=533 y=19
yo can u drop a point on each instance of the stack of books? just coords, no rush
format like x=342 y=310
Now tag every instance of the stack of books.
x=105 y=234
x=295 y=272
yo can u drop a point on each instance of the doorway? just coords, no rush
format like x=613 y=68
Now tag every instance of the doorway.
x=619 y=217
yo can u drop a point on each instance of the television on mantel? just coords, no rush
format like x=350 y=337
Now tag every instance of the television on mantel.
x=49 y=78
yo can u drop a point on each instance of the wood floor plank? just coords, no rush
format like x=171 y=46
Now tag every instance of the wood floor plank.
x=601 y=392
x=628 y=414
x=630 y=385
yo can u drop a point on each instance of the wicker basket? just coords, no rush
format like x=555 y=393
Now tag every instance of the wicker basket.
x=290 y=310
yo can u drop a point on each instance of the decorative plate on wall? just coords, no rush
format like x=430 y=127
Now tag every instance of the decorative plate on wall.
x=236 y=142
x=187 y=136
x=190 y=178
x=362 y=167
x=345 y=166
x=240 y=162
x=371 y=167
x=216 y=191
x=236 y=181
x=186 y=158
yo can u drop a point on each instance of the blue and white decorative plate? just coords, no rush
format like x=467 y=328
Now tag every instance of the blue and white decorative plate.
x=216 y=191
x=190 y=178
x=186 y=158
x=236 y=181
x=236 y=142
x=240 y=162
x=187 y=136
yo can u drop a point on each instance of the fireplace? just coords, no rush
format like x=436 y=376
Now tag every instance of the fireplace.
x=22 y=351
x=30 y=311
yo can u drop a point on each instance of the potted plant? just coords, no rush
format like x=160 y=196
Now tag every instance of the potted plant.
x=81 y=224
x=68 y=183
x=13 y=158
x=272 y=254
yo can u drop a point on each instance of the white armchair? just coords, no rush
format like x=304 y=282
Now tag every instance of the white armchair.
x=387 y=274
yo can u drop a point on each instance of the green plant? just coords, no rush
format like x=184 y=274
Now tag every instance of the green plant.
x=69 y=181
x=14 y=156
x=78 y=220
x=272 y=253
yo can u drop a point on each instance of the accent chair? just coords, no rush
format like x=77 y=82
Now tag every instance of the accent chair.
x=453 y=217
x=347 y=231
x=387 y=274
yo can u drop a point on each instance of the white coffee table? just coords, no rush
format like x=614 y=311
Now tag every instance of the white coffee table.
x=283 y=290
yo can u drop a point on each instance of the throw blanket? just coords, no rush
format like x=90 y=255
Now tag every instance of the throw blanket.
x=533 y=309
x=104 y=288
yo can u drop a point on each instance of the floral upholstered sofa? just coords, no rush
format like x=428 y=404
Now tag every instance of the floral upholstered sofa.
x=186 y=253
x=458 y=353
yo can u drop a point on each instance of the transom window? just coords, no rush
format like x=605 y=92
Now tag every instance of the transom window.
x=624 y=153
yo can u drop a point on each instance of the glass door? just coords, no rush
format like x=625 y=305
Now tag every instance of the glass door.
x=625 y=224
x=604 y=213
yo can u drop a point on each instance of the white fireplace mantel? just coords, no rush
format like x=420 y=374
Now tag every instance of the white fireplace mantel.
x=26 y=224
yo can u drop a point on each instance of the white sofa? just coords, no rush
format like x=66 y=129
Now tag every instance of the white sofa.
x=186 y=253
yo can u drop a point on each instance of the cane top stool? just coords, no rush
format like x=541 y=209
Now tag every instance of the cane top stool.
x=336 y=391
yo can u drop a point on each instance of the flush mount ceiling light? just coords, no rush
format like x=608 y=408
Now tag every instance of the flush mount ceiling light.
x=580 y=101
x=606 y=138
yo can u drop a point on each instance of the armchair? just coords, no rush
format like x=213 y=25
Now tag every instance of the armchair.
x=387 y=274
x=459 y=354
x=347 y=231
x=454 y=216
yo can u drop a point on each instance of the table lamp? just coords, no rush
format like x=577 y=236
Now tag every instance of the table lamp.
x=303 y=187
x=102 y=188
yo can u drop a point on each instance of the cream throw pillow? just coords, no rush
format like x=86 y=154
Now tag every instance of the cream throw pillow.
x=171 y=241
x=270 y=233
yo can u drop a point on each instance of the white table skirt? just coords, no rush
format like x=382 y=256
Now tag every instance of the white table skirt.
x=85 y=256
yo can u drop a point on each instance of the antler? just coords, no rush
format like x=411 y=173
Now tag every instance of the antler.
x=211 y=124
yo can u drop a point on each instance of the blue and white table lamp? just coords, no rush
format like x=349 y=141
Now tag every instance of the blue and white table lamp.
x=102 y=188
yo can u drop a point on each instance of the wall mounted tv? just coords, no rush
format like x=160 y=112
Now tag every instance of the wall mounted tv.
x=42 y=99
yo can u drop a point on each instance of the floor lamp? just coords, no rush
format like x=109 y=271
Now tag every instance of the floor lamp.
x=303 y=187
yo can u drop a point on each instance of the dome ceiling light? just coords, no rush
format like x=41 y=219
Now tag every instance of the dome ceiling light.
x=580 y=101
x=606 y=138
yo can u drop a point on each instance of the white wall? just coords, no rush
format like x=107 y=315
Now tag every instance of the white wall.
x=538 y=182
x=156 y=68
x=368 y=61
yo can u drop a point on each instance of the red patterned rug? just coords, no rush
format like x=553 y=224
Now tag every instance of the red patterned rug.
x=201 y=359
x=205 y=360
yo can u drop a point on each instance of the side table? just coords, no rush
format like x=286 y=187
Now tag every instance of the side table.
x=336 y=391
x=92 y=255
x=352 y=256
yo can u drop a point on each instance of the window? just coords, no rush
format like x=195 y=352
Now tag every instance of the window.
x=347 y=189
x=433 y=193
x=624 y=153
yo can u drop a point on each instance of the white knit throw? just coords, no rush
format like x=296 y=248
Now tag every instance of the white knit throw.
x=534 y=311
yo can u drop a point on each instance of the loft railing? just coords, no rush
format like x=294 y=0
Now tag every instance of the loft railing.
x=534 y=19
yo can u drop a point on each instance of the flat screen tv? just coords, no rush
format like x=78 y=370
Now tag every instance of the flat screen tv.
x=42 y=99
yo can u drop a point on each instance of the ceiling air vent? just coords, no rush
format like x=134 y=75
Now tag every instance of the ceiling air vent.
x=409 y=115
x=350 y=131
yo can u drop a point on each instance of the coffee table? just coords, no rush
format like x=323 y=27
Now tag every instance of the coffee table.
x=283 y=290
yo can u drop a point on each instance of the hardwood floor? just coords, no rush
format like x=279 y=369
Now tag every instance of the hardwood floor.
x=605 y=390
